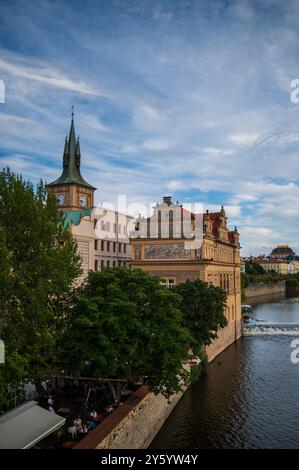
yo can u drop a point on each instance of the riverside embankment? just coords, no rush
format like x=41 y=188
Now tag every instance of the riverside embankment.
x=248 y=397
x=262 y=292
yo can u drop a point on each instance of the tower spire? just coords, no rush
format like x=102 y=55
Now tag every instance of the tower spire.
x=72 y=159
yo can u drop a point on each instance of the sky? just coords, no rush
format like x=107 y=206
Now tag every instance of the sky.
x=186 y=98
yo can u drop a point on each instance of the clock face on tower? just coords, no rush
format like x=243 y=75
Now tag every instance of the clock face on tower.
x=60 y=199
x=83 y=200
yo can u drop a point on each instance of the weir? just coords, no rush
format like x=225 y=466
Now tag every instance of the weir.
x=271 y=329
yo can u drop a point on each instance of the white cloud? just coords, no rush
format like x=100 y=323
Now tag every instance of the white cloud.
x=175 y=185
x=242 y=138
x=46 y=75
x=157 y=144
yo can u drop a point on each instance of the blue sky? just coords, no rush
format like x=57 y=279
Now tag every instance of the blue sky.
x=183 y=98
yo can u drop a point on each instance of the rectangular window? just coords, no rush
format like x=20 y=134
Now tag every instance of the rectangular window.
x=96 y=265
x=95 y=223
x=119 y=263
x=96 y=244
x=170 y=283
x=103 y=245
x=114 y=247
x=119 y=247
x=102 y=225
x=102 y=263
x=114 y=228
x=119 y=229
x=108 y=246
x=114 y=264
x=125 y=248
x=108 y=263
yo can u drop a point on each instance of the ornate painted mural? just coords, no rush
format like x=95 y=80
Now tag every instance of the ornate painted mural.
x=176 y=251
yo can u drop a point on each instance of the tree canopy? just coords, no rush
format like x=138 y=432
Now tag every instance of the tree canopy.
x=254 y=268
x=127 y=325
x=38 y=264
x=202 y=306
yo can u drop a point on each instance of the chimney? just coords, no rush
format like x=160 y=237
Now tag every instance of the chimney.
x=167 y=199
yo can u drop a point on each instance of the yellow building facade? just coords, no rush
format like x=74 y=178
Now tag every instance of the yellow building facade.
x=279 y=267
x=177 y=245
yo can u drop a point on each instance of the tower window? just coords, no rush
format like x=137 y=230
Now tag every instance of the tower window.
x=82 y=200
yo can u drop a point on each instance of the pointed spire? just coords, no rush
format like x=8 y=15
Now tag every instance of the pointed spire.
x=71 y=160
x=72 y=135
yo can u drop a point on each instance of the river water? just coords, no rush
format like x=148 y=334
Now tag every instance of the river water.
x=249 y=396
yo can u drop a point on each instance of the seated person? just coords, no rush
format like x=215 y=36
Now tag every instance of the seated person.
x=78 y=422
x=73 y=431
x=96 y=416
x=93 y=414
x=91 y=426
x=109 y=409
x=50 y=403
x=83 y=430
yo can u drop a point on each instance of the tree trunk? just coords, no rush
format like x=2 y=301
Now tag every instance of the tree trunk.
x=112 y=390
x=118 y=390
x=40 y=391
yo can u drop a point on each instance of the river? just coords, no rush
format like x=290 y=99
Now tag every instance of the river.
x=249 y=396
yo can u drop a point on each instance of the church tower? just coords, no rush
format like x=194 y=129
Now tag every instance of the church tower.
x=71 y=189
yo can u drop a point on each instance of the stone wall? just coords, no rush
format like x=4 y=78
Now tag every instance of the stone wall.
x=227 y=336
x=132 y=425
x=256 y=292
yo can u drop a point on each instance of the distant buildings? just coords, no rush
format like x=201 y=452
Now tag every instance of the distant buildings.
x=279 y=266
x=282 y=260
x=282 y=252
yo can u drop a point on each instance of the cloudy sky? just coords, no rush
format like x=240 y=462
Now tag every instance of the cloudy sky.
x=186 y=98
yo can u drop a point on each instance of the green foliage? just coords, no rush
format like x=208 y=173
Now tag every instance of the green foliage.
x=127 y=325
x=254 y=268
x=202 y=306
x=38 y=263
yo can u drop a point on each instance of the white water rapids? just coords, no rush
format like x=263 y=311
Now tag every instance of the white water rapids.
x=271 y=329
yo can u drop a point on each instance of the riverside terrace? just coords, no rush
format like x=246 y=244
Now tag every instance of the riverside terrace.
x=84 y=402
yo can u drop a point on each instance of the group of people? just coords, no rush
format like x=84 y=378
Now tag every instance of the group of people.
x=82 y=427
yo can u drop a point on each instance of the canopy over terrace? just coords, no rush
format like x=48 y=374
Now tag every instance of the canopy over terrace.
x=24 y=426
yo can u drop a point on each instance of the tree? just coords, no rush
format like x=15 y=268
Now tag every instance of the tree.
x=126 y=325
x=254 y=268
x=38 y=264
x=202 y=306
